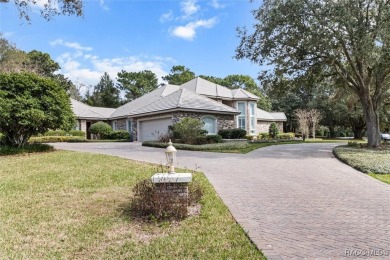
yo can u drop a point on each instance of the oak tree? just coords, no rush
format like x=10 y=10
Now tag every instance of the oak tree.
x=348 y=39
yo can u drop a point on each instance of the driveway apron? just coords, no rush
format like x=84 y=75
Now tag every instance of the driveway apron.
x=294 y=201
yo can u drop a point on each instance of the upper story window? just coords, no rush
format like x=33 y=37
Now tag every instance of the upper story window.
x=241 y=118
x=252 y=113
x=210 y=124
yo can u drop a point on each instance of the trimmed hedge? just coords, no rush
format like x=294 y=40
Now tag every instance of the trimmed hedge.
x=204 y=147
x=236 y=133
x=214 y=139
x=54 y=139
x=77 y=133
x=119 y=135
x=286 y=136
x=29 y=148
x=264 y=135
x=64 y=133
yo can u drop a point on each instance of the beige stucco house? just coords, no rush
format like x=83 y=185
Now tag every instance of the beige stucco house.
x=150 y=115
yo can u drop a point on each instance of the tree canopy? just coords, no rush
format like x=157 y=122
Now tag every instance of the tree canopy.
x=49 y=9
x=137 y=84
x=347 y=39
x=105 y=93
x=179 y=75
x=31 y=105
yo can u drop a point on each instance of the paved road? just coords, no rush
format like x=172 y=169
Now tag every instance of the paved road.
x=294 y=201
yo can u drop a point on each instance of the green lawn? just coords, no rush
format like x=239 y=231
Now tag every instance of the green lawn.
x=372 y=161
x=68 y=205
x=237 y=147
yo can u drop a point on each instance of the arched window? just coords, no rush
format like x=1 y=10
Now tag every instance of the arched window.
x=210 y=124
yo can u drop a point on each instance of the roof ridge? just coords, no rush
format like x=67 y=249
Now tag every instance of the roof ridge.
x=212 y=100
x=91 y=108
x=180 y=98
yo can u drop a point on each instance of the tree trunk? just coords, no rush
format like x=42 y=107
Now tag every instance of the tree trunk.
x=357 y=132
x=332 y=133
x=372 y=120
x=314 y=131
x=358 y=124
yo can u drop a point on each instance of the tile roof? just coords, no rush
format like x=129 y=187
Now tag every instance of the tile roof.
x=146 y=99
x=193 y=95
x=270 y=116
x=185 y=99
x=82 y=110
x=210 y=89
x=243 y=94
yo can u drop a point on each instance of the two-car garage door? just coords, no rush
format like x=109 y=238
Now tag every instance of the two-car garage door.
x=151 y=129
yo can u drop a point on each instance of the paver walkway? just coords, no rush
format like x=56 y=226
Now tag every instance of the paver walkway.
x=294 y=201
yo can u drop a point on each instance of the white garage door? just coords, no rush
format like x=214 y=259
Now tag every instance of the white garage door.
x=151 y=129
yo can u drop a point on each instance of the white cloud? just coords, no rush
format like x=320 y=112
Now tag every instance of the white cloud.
x=86 y=70
x=103 y=5
x=188 y=31
x=189 y=7
x=72 y=45
x=216 y=4
x=165 y=17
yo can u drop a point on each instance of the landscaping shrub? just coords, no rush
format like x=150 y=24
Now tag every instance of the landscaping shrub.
x=188 y=130
x=28 y=148
x=100 y=129
x=320 y=132
x=77 y=133
x=236 y=133
x=54 y=139
x=195 y=193
x=273 y=130
x=205 y=147
x=56 y=133
x=119 y=135
x=149 y=202
x=213 y=139
x=264 y=135
x=225 y=133
x=286 y=136
x=200 y=140
x=164 y=138
x=251 y=137
x=64 y=133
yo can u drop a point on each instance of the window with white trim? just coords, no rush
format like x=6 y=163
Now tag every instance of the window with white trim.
x=241 y=122
x=210 y=125
x=252 y=114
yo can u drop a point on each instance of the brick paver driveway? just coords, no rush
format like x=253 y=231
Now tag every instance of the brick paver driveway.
x=294 y=201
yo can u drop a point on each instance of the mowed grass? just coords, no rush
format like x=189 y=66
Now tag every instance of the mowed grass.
x=68 y=205
x=372 y=161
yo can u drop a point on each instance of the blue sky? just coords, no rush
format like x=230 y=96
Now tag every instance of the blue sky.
x=137 y=35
